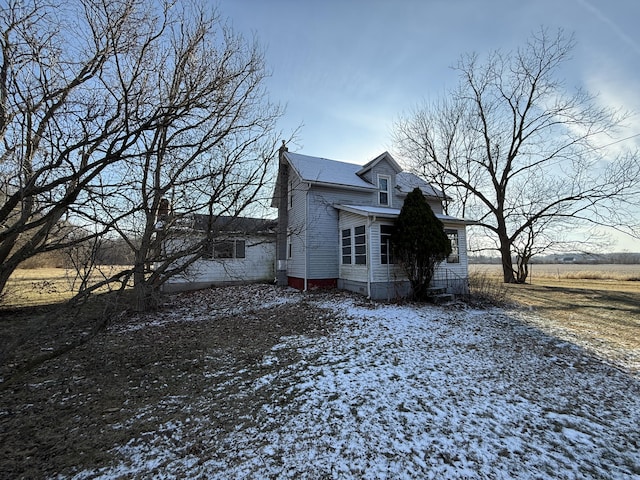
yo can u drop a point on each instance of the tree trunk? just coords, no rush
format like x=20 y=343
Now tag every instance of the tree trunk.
x=5 y=273
x=141 y=288
x=507 y=266
x=523 y=269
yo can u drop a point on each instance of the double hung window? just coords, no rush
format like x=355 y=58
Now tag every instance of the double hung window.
x=360 y=244
x=354 y=246
x=386 y=255
x=384 y=187
x=346 y=246
x=455 y=250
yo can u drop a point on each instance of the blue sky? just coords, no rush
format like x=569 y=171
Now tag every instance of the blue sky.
x=347 y=69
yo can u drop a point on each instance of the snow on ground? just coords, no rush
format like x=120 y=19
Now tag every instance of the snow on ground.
x=410 y=392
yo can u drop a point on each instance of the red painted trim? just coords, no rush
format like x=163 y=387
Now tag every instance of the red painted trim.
x=296 y=282
x=313 y=283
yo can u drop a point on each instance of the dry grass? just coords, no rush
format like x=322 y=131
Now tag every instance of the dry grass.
x=485 y=288
x=593 y=304
x=45 y=286
x=570 y=271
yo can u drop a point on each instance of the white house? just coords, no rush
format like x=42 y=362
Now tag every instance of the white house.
x=238 y=250
x=334 y=221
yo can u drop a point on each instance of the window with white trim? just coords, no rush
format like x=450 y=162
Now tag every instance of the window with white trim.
x=386 y=255
x=225 y=249
x=384 y=190
x=360 y=245
x=354 y=246
x=455 y=249
x=346 y=246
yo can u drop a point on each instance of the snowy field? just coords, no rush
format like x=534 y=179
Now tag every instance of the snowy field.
x=401 y=391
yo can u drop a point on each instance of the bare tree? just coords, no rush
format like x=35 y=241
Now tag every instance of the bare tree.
x=211 y=151
x=165 y=117
x=60 y=124
x=524 y=157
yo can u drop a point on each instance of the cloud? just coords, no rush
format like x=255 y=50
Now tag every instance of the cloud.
x=613 y=26
x=616 y=90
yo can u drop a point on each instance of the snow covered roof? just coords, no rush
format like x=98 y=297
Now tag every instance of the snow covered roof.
x=384 y=212
x=325 y=171
x=367 y=210
x=406 y=182
x=378 y=159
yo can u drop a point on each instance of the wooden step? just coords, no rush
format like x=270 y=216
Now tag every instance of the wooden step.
x=442 y=298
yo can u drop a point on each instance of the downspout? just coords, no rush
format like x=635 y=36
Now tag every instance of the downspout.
x=388 y=288
x=306 y=237
x=369 y=256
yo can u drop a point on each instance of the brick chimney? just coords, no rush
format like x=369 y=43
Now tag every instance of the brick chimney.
x=283 y=218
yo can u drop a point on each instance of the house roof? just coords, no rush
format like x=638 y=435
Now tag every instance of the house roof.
x=318 y=170
x=368 y=166
x=384 y=212
x=329 y=172
x=231 y=224
x=407 y=181
x=367 y=210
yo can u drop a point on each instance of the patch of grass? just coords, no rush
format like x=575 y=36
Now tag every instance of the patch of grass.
x=584 y=306
x=584 y=310
x=596 y=275
x=46 y=286
x=485 y=288
x=571 y=271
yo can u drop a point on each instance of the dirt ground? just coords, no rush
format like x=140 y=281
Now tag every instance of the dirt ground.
x=57 y=418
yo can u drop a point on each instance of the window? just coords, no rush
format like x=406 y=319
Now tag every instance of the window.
x=383 y=189
x=290 y=195
x=360 y=244
x=226 y=249
x=354 y=248
x=223 y=249
x=455 y=251
x=289 y=247
x=346 y=246
x=386 y=255
x=240 y=248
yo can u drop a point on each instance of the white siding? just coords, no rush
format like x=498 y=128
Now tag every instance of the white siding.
x=315 y=227
x=383 y=167
x=358 y=273
x=258 y=265
x=382 y=272
x=323 y=231
x=454 y=276
x=435 y=205
x=323 y=237
x=297 y=228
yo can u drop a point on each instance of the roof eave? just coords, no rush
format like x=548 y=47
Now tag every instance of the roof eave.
x=364 y=213
x=340 y=185
x=461 y=221
x=436 y=196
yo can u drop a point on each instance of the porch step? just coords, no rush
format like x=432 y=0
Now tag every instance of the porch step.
x=442 y=298
x=438 y=295
x=433 y=291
